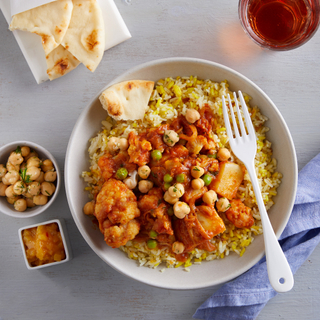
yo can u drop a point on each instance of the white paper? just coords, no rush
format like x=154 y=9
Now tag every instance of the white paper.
x=30 y=44
x=18 y=6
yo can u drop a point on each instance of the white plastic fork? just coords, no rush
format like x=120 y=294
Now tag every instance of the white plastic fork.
x=244 y=146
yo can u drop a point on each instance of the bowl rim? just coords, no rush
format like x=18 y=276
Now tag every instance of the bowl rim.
x=154 y=63
x=61 y=225
x=40 y=209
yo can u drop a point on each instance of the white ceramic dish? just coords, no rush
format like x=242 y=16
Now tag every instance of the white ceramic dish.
x=65 y=240
x=8 y=208
x=208 y=273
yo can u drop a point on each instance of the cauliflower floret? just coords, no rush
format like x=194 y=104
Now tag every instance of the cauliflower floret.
x=195 y=146
x=239 y=214
x=116 y=209
x=116 y=202
x=116 y=236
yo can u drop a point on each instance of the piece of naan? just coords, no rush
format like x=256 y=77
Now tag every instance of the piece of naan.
x=60 y=62
x=85 y=37
x=50 y=21
x=127 y=100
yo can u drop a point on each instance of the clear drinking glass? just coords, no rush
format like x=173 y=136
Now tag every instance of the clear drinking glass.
x=280 y=24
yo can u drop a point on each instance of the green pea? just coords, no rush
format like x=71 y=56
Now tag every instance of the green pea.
x=180 y=177
x=156 y=154
x=122 y=173
x=151 y=243
x=167 y=185
x=167 y=178
x=207 y=178
x=182 y=142
x=212 y=156
x=153 y=234
x=170 y=211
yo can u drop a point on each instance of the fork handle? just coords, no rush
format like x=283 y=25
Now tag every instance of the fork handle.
x=279 y=271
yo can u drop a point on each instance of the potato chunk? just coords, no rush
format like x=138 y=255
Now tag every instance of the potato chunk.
x=228 y=180
x=210 y=220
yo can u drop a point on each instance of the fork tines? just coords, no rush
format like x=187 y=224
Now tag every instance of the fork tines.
x=248 y=122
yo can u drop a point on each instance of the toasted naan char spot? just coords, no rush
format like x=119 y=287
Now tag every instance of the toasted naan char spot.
x=59 y=62
x=58 y=30
x=85 y=37
x=92 y=40
x=45 y=21
x=127 y=100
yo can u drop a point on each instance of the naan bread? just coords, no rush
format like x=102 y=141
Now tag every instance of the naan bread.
x=49 y=21
x=127 y=100
x=85 y=37
x=60 y=61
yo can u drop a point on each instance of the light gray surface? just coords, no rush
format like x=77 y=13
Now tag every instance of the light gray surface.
x=86 y=288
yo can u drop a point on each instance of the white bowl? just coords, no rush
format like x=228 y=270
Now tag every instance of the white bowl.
x=209 y=273
x=65 y=241
x=8 y=208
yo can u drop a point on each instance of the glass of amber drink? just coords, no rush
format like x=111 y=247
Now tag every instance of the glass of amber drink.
x=280 y=24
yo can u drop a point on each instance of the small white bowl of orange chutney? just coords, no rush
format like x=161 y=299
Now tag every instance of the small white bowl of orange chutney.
x=44 y=244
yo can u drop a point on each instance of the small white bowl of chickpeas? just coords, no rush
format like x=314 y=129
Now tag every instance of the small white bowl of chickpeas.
x=29 y=179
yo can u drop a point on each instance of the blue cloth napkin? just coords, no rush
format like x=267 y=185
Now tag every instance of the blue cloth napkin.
x=244 y=297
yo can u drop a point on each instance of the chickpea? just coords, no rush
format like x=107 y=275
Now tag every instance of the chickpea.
x=223 y=204
x=30 y=203
x=50 y=176
x=176 y=191
x=123 y=144
x=33 y=162
x=33 y=188
x=178 y=247
x=12 y=200
x=113 y=144
x=197 y=172
x=169 y=199
x=145 y=185
x=19 y=188
x=132 y=181
x=28 y=195
x=40 y=179
x=3 y=171
x=15 y=158
x=144 y=172
x=197 y=184
x=25 y=151
x=47 y=165
x=5 y=181
x=89 y=208
x=192 y=115
x=181 y=209
x=210 y=197
x=11 y=177
x=30 y=155
x=223 y=154
x=12 y=167
x=20 y=205
x=10 y=192
x=33 y=172
x=40 y=200
x=47 y=188
x=170 y=137
x=3 y=188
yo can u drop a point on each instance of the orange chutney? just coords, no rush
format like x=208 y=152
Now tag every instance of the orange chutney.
x=43 y=244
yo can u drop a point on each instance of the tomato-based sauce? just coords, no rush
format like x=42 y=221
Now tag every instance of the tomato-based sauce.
x=151 y=216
